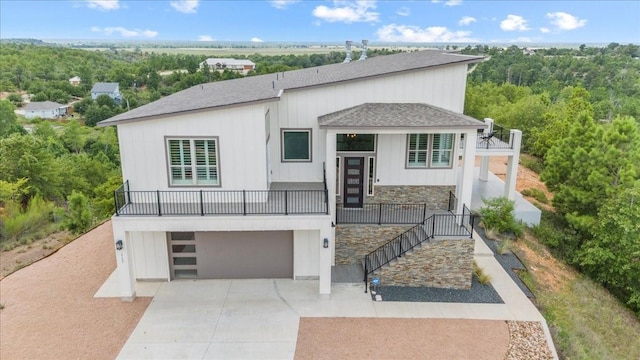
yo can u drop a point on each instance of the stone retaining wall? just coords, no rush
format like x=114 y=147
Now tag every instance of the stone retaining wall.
x=437 y=263
x=436 y=197
x=353 y=242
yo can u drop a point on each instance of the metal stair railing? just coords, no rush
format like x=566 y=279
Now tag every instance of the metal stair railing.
x=434 y=225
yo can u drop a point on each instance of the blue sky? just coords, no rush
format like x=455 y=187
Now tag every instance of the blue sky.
x=446 y=21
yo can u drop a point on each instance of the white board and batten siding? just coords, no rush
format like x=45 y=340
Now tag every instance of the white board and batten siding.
x=241 y=147
x=301 y=109
x=306 y=254
x=150 y=255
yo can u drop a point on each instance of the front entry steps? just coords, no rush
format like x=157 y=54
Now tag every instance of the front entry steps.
x=347 y=273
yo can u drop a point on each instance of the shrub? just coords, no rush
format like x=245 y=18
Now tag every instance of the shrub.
x=498 y=214
x=537 y=194
x=532 y=163
x=482 y=277
x=79 y=217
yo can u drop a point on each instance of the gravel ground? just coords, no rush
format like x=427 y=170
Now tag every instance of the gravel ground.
x=367 y=338
x=479 y=294
x=509 y=262
x=527 y=341
x=49 y=310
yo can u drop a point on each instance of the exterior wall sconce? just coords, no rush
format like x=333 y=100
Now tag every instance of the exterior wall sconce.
x=325 y=243
x=119 y=245
x=351 y=136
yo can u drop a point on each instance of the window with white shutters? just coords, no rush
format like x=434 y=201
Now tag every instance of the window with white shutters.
x=193 y=162
x=418 y=150
x=442 y=149
x=429 y=150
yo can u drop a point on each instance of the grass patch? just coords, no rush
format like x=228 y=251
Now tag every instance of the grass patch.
x=483 y=278
x=532 y=163
x=585 y=320
x=537 y=194
x=504 y=247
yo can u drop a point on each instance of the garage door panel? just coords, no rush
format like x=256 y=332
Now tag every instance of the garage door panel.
x=244 y=255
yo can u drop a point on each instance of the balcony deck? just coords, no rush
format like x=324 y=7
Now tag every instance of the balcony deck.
x=281 y=199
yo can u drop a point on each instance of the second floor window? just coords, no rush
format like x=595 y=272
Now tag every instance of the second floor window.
x=296 y=145
x=193 y=162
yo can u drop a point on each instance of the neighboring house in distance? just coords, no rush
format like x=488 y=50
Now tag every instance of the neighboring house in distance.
x=45 y=110
x=238 y=65
x=292 y=175
x=75 y=81
x=110 y=89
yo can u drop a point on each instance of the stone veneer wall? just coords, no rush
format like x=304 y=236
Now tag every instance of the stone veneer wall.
x=437 y=263
x=437 y=197
x=353 y=242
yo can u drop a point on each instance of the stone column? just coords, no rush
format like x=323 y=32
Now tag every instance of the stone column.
x=512 y=165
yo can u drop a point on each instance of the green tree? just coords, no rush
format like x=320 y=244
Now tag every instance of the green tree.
x=590 y=165
x=78 y=219
x=74 y=136
x=25 y=156
x=8 y=119
x=612 y=256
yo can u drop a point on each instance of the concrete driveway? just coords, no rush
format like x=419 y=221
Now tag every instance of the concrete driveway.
x=235 y=319
x=259 y=318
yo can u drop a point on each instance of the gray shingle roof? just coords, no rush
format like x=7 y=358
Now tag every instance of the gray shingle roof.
x=269 y=87
x=103 y=87
x=42 y=105
x=397 y=115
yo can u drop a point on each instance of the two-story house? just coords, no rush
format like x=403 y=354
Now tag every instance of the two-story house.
x=110 y=89
x=252 y=177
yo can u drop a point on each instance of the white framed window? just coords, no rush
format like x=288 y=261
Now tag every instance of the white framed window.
x=418 y=150
x=338 y=176
x=442 y=150
x=296 y=145
x=193 y=161
x=371 y=171
x=430 y=150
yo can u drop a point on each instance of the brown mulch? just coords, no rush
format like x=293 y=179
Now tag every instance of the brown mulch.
x=49 y=310
x=380 y=338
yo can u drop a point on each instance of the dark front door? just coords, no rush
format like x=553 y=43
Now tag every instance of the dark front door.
x=353 y=182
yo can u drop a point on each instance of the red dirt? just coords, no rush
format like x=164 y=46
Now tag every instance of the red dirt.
x=49 y=310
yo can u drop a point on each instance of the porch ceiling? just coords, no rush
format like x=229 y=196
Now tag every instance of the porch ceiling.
x=397 y=115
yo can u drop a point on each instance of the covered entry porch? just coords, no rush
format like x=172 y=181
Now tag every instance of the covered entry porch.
x=400 y=153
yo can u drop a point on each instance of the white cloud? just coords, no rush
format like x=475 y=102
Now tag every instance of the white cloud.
x=514 y=23
x=185 y=6
x=522 y=40
x=545 y=30
x=205 y=38
x=564 y=21
x=403 y=11
x=410 y=33
x=282 y=4
x=448 y=2
x=104 y=5
x=347 y=12
x=124 y=32
x=256 y=40
x=466 y=20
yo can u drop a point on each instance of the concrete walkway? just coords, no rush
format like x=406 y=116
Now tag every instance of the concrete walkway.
x=222 y=319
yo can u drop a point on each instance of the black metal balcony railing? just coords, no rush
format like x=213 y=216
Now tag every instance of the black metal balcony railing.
x=383 y=214
x=223 y=202
x=498 y=138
